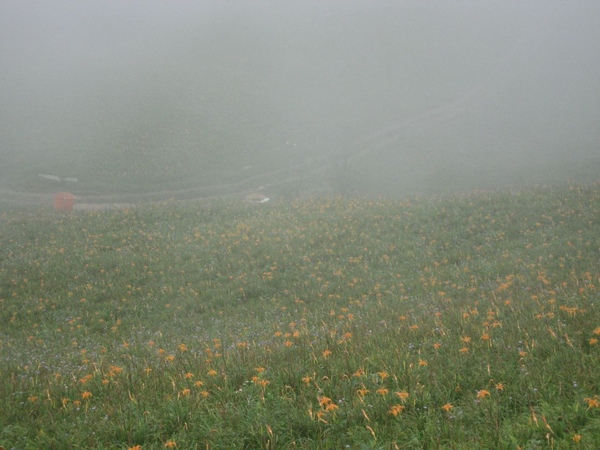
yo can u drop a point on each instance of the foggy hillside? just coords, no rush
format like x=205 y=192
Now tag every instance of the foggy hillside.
x=371 y=96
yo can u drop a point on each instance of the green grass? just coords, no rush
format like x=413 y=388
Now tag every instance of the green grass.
x=466 y=322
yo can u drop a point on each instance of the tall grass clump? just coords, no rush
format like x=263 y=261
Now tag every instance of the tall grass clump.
x=463 y=322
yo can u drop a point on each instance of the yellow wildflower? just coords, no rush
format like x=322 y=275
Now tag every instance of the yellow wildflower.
x=395 y=410
x=403 y=395
x=261 y=383
x=592 y=402
x=324 y=401
x=482 y=394
x=331 y=407
x=115 y=369
x=362 y=392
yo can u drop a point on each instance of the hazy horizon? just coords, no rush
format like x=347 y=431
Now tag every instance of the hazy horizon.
x=390 y=96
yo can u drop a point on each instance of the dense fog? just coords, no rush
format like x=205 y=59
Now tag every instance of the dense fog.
x=389 y=97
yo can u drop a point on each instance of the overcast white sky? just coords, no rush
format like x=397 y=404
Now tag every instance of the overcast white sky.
x=346 y=76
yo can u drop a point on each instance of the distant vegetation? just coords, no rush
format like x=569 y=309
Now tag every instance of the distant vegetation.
x=467 y=321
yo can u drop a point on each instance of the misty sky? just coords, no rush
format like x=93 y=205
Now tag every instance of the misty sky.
x=395 y=87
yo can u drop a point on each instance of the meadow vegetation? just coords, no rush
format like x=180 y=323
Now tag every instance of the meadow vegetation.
x=462 y=322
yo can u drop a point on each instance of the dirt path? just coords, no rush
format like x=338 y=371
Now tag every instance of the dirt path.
x=257 y=183
x=367 y=146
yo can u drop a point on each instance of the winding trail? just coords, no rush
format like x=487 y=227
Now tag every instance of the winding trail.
x=370 y=144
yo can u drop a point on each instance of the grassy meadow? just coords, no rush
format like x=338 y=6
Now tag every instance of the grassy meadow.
x=468 y=321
